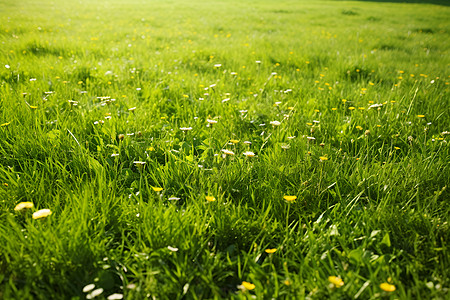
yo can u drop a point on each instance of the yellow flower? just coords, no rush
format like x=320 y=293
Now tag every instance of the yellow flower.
x=287 y=282
x=210 y=198
x=157 y=189
x=421 y=116
x=5 y=124
x=323 y=158
x=249 y=154
x=289 y=198
x=234 y=141
x=271 y=250
x=23 y=206
x=387 y=287
x=43 y=213
x=248 y=286
x=336 y=281
x=351 y=108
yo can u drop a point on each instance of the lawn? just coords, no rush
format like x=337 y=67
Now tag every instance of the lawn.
x=224 y=149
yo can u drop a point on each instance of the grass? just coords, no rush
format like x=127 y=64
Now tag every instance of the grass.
x=89 y=90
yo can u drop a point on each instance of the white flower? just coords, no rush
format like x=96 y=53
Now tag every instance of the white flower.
x=186 y=128
x=173 y=249
x=88 y=288
x=275 y=123
x=227 y=152
x=211 y=121
x=249 y=154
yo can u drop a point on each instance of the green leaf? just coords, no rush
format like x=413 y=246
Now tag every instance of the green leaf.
x=386 y=240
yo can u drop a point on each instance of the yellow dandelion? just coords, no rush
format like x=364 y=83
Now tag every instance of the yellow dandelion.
x=157 y=189
x=397 y=148
x=23 y=206
x=33 y=107
x=323 y=158
x=334 y=108
x=336 y=281
x=5 y=124
x=210 y=198
x=359 y=127
x=43 y=213
x=289 y=198
x=270 y=251
x=421 y=116
x=387 y=287
x=351 y=108
x=248 y=286
x=234 y=141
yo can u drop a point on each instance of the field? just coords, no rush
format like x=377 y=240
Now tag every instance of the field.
x=224 y=149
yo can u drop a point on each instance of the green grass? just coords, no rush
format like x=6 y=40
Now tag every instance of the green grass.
x=375 y=211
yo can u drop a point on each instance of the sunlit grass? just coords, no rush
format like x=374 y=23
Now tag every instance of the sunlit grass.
x=229 y=150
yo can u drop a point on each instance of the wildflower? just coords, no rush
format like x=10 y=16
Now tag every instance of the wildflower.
x=23 y=206
x=211 y=121
x=121 y=137
x=115 y=296
x=247 y=142
x=270 y=251
x=323 y=158
x=173 y=199
x=289 y=198
x=421 y=116
x=43 y=213
x=249 y=154
x=210 y=198
x=234 y=141
x=287 y=282
x=336 y=281
x=94 y=293
x=397 y=148
x=139 y=164
x=173 y=249
x=185 y=128
x=275 y=123
x=351 y=108
x=5 y=124
x=227 y=152
x=157 y=189
x=88 y=288
x=359 y=127
x=246 y=286
x=387 y=287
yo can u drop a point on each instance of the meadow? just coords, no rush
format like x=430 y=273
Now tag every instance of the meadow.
x=224 y=149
